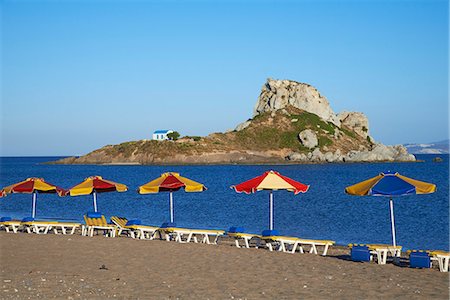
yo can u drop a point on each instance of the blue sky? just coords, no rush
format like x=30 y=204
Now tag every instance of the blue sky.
x=78 y=75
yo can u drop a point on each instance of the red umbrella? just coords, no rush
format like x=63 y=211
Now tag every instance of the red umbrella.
x=32 y=186
x=169 y=182
x=94 y=185
x=271 y=180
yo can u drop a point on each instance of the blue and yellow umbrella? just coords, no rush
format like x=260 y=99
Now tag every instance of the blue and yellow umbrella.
x=390 y=184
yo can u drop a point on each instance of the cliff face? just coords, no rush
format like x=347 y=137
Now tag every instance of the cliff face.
x=292 y=122
x=278 y=94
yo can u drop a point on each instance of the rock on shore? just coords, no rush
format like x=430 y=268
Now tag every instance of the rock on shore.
x=379 y=152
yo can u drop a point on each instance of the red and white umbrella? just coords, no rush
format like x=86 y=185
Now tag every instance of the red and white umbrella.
x=272 y=181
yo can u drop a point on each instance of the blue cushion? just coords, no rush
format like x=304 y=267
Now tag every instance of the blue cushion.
x=92 y=214
x=133 y=222
x=5 y=219
x=360 y=253
x=270 y=233
x=28 y=219
x=168 y=225
x=419 y=260
x=235 y=229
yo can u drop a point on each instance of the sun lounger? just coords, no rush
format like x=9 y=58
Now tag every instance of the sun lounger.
x=134 y=228
x=144 y=232
x=66 y=227
x=121 y=223
x=181 y=235
x=425 y=259
x=185 y=235
x=97 y=222
x=238 y=234
x=274 y=241
x=30 y=225
x=9 y=224
x=39 y=227
x=290 y=244
x=442 y=257
x=313 y=244
x=278 y=242
x=245 y=237
x=205 y=235
x=381 y=251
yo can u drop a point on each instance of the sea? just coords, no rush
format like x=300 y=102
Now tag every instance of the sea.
x=324 y=212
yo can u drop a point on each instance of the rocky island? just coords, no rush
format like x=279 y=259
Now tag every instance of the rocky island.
x=292 y=122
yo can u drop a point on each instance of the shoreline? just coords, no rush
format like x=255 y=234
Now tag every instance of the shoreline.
x=73 y=266
x=281 y=163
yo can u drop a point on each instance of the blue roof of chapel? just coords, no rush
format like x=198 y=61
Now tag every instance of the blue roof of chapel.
x=161 y=131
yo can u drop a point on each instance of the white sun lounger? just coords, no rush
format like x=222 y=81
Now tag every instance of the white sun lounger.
x=290 y=244
x=38 y=227
x=279 y=243
x=312 y=244
x=143 y=232
x=176 y=234
x=443 y=259
x=245 y=237
x=381 y=252
x=11 y=226
x=205 y=235
x=135 y=231
x=186 y=235
x=65 y=227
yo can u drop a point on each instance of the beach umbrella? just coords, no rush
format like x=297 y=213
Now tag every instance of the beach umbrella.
x=171 y=182
x=390 y=184
x=96 y=184
x=32 y=186
x=272 y=181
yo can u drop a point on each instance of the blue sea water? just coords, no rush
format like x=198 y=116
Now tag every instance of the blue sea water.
x=324 y=212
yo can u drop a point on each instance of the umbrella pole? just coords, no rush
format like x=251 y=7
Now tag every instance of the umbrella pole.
x=95 y=201
x=271 y=210
x=391 y=206
x=33 y=211
x=171 y=206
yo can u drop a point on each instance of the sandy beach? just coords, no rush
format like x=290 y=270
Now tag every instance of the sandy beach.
x=73 y=266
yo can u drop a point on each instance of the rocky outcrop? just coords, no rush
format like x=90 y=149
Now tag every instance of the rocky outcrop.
x=355 y=121
x=308 y=138
x=292 y=122
x=379 y=152
x=277 y=94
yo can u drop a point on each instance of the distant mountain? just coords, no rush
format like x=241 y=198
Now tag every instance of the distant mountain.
x=441 y=147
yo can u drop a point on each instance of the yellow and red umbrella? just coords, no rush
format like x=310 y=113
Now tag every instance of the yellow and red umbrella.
x=170 y=182
x=96 y=184
x=32 y=186
x=271 y=180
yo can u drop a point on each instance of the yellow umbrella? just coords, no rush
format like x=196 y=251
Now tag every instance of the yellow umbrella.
x=390 y=184
x=32 y=186
x=94 y=185
x=169 y=182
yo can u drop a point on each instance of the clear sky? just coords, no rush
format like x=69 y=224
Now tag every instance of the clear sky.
x=78 y=75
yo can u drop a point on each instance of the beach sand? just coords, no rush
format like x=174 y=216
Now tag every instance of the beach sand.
x=70 y=267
